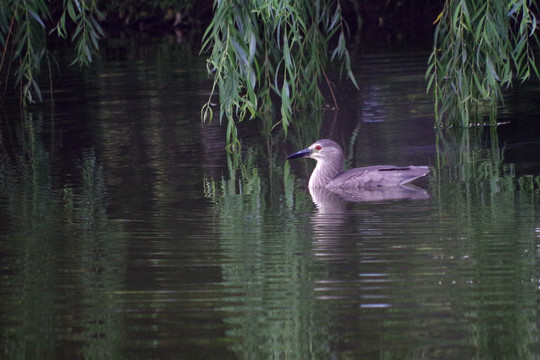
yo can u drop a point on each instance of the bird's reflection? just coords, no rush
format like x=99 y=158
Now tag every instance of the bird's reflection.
x=334 y=201
x=329 y=222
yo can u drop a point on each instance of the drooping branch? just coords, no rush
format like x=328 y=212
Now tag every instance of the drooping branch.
x=259 y=47
x=480 y=47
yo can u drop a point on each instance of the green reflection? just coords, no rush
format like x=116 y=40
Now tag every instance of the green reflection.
x=63 y=259
x=495 y=214
x=452 y=276
x=464 y=157
x=268 y=263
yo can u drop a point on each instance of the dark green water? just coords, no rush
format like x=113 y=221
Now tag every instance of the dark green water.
x=128 y=233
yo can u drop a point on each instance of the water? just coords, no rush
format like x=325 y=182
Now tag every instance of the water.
x=128 y=233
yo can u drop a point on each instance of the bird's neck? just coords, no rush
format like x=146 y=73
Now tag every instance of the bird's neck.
x=324 y=172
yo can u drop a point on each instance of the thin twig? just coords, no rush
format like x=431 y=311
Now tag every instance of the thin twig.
x=331 y=90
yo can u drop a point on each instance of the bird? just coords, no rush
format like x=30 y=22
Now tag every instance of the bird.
x=329 y=174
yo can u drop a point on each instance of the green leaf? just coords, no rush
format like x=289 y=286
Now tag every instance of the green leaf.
x=36 y=17
x=71 y=11
x=252 y=46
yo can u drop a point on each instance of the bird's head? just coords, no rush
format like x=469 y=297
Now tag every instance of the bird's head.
x=321 y=150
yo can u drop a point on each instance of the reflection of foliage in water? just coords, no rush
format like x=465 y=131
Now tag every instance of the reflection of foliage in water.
x=485 y=216
x=494 y=211
x=266 y=257
x=491 y=278
x=65 y=255
x=462 y=156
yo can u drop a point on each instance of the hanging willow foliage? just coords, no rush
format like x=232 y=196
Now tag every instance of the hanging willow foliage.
x=23 y=38
x=260 y=47
x=479 y=48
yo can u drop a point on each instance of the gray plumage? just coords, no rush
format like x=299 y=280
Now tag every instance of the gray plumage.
x=329 y=170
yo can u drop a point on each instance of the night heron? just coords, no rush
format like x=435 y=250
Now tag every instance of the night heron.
x=329 y=172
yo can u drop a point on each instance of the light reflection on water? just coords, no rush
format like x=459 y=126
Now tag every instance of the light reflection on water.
x=126 y=234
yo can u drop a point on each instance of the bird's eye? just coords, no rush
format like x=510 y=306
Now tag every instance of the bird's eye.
x=318 y=147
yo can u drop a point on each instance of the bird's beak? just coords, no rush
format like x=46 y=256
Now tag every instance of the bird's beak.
x=301 y=153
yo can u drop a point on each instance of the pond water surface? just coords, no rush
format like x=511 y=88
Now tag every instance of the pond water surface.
x=129 y=233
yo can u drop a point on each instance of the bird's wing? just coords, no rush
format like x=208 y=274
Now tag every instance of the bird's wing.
x=377 y=176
